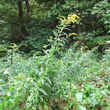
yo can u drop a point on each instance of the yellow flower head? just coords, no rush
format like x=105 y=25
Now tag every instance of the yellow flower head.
x=70 y=18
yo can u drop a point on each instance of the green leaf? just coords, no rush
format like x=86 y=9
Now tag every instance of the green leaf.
x=40 y=107
x=41 y=90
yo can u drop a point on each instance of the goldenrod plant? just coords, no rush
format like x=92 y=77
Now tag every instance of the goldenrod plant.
x=61 y=37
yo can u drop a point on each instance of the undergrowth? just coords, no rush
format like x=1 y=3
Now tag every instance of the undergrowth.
x=77 y=80
x=74 y=79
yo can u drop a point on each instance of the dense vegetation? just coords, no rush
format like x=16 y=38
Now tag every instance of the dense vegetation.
x=54 y=55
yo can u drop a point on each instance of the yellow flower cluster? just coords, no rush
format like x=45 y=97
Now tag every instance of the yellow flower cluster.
x=71 y=34
x=71 y=18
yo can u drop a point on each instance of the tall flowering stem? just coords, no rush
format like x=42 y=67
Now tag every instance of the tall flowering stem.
x=64 y=23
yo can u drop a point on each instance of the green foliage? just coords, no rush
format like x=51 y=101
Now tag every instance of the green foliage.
x=77 y=78
x=36 y=41
x=98 y=41
x=3 y=50
x=67 y=75
x=32 y=29
x=102 y=12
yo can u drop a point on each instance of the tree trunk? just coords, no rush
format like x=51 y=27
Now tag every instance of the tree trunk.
x=78 y=28
x=22 y=27
x=27 y=9
x=28 y=16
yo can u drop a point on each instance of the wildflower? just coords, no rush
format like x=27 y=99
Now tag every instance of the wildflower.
x=82 y=85
x=72 y=18
x=6 y=72
x=108 y=42
x=71 y=34
x=8 y=94
x=69 y=19
x=75 y=16
x=103 y=92
x=98 y=78
x=82 y=90
x=64 y=20
x=92 y=94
